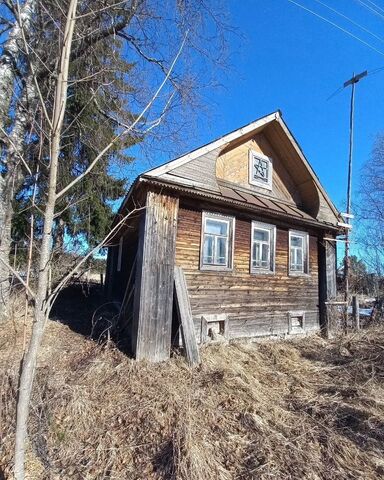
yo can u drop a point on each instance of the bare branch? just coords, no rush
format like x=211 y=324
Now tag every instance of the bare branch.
x=63 y=282
x=13 y=271
x=128 y=128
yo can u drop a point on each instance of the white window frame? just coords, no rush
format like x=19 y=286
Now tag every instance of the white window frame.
x=296 y=329
x=254 y=181
x=272 y=247
x=230 y=221
x=305 y=256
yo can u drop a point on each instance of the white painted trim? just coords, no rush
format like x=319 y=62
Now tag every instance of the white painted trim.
x=272 y=248
x=230 y=244
x=296 y=313
x=348 y=226
x=305 y=237
x=221 y=142
x=259 y=183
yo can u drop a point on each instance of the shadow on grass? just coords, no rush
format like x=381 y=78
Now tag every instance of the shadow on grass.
x=83 y=308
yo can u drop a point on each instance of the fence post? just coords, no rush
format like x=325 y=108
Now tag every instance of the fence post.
x=356 y=312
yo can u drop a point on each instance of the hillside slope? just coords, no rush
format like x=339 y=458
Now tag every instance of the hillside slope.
x=308 y=409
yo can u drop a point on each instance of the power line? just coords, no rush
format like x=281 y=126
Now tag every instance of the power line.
x=369 y=72
x=375 y=5
x=368 y=7
x=376 y=70
x=350 y=20
x=338 y=27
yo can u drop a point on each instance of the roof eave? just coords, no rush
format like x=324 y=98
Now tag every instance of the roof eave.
x=193 y=192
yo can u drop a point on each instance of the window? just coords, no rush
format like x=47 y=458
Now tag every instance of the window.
x=263 y=238
x=217 y=242
x=260 y=170
x=298 y=252
x=296 y=322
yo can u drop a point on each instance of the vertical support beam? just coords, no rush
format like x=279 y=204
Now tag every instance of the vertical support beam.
x=109 y=275
x=327 y=284
x=356 y=312
x=152 y=324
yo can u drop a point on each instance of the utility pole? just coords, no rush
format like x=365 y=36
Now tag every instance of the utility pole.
x=348 y=216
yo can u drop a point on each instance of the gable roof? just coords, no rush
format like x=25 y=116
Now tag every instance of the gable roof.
x=196 y=172
x=173 y=166
x=216 y=144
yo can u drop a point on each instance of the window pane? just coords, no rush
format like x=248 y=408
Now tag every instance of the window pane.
x=265 y=254
x=216 y=227
x=254 y=251
x=208 y=250
x=293 y=258
x=296 y=241
x=257 y=254
x=260 y=169
x=261 y=235
x=299 y=258
x=221 y=251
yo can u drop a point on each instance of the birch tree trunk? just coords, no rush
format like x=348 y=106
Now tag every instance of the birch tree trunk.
x=10 y=57
x=41 y=306
x=11 y=182
x=4 y=254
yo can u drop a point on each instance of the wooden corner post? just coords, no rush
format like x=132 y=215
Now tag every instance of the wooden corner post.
x=153 y=301
x=327 y=285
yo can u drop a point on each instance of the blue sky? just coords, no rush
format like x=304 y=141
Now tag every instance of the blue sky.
x=284 y=57
x=292 y=60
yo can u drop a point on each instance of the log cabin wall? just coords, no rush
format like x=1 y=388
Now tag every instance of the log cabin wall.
x=256 y=304
x=233 y=166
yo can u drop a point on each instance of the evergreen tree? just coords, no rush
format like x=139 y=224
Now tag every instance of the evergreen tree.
x=99 y=93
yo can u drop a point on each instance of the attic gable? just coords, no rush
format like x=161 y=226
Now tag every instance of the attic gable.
x=226 y=160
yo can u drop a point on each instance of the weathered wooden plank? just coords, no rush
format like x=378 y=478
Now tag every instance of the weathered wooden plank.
x=154 y=279
x=327 y=283
x=201 y=170
x=232 y=166
x=356 y=312
x=330 y=252
x=255 y=304
x=185 y=316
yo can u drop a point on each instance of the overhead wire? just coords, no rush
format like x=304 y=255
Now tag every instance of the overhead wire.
x=375 y=5
x=369 y=73
x=337 y=26
x=350 y=20
x=370 y=8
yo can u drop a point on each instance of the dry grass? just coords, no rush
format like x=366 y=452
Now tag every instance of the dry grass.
x=307 y=409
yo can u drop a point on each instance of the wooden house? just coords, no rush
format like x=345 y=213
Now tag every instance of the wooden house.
x=248 y=222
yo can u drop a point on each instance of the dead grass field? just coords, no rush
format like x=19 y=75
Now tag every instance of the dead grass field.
x=306 y=409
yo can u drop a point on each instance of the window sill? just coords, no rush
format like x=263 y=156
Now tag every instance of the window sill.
x=298 y=274
x=264 y=186
x=215 y=268
x=262 y=272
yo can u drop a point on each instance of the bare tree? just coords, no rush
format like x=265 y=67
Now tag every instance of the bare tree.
x=10 y=58
x=148 y=35
x=371 y=209
x=42 y=298
x=41 y=81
